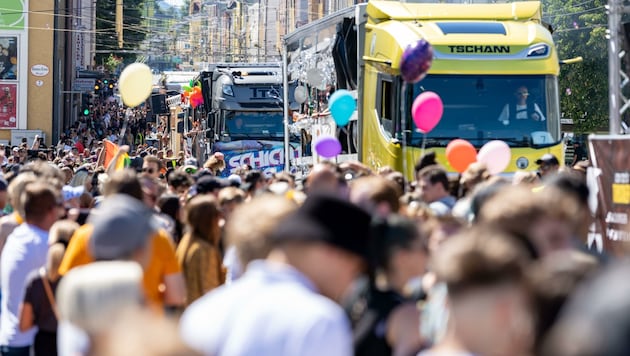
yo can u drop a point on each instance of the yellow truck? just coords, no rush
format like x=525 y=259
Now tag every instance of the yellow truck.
x=495 y=68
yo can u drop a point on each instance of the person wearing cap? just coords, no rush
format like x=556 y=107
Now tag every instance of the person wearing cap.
x=208 y=184
x=163 y=279
x=287 y=303
x=121 y=230
x=548 y=165
x=24 y=253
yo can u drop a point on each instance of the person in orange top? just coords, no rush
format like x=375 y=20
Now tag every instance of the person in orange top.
x=163 y=281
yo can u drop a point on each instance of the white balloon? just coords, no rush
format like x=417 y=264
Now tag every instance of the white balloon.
x=135 y=84
x=496 y=155
x=300 y=94
x=315 y=78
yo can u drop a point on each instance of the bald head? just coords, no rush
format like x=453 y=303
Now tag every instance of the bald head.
x=323 y=178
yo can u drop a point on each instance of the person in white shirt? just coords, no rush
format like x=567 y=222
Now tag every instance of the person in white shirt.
x=285 y=304
x=521 y=110
x=24 y=253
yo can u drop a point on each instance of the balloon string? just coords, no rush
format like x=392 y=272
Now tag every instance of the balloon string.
x=424 y=141
x=403 y=112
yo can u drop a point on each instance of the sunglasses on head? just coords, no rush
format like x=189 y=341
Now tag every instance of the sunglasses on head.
x=190 y=170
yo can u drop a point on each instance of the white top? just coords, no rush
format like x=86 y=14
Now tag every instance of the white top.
x=521 y=113
x=24 y=252
x=272 y=309
x=232 y=264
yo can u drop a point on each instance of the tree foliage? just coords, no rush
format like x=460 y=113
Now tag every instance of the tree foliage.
x=580 y=30
x=106 y=37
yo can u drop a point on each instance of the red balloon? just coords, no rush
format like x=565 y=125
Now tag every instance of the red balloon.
x=460 y=154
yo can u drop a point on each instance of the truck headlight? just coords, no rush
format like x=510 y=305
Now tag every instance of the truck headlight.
x=227 y=90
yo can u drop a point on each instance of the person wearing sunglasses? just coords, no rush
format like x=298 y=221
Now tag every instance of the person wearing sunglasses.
x=151 y=166
x=521 y=108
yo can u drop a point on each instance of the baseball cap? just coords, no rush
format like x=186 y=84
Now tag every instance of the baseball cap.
x=208 y=184
x=122 y=225
x=329 y=219
x=547 y=158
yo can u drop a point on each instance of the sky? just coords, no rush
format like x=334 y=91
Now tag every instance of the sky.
x=174 y=2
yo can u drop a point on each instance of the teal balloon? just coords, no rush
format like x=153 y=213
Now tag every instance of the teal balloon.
x=342 y=105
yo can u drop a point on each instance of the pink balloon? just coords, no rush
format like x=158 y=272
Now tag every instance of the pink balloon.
x=328 y=146
x=496 y=155
x=427 y=111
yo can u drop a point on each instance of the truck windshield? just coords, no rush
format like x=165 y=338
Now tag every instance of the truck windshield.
x=521 y=110
x=245 y=124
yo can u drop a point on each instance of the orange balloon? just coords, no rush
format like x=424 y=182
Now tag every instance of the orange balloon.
x=196 y=90
x=186 y=94
x=460 y=154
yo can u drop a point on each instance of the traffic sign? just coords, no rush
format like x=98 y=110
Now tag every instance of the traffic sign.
x=83 y=84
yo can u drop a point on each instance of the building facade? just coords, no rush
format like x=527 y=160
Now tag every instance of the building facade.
x=249 y=30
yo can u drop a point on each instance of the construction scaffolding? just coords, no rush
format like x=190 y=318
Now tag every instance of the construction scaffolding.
x=617 y=78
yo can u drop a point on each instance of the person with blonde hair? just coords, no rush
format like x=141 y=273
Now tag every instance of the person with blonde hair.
x=216 y=163
x=91 y=298
x=198 y=252
x=61 y=232
x=249 y=229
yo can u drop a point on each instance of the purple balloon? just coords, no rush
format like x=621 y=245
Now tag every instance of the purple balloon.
x=328 y=146
x=416 y=61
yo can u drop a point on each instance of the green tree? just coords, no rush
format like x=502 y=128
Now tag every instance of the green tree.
x=133 y=30
x=580 y=30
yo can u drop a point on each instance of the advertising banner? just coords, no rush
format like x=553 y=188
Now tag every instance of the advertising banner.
x=265 y=156
x=609 y=183
x=8 y=58
x=8 y=105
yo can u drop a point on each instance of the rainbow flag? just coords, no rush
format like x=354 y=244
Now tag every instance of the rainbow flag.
x=110 y=151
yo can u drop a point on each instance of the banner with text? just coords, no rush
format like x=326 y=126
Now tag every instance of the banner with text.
x=266 y=156
x=609 y=183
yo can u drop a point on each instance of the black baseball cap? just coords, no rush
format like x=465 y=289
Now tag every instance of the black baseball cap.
x=548 y=158
x=328 y=219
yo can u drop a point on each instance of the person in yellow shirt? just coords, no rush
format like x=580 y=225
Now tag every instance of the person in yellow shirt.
x=163 y=280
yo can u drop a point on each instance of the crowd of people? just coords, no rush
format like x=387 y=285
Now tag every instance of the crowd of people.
x=165 y=257
x=81 y=143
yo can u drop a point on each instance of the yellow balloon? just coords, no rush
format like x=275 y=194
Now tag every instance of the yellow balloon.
x=135 y=84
